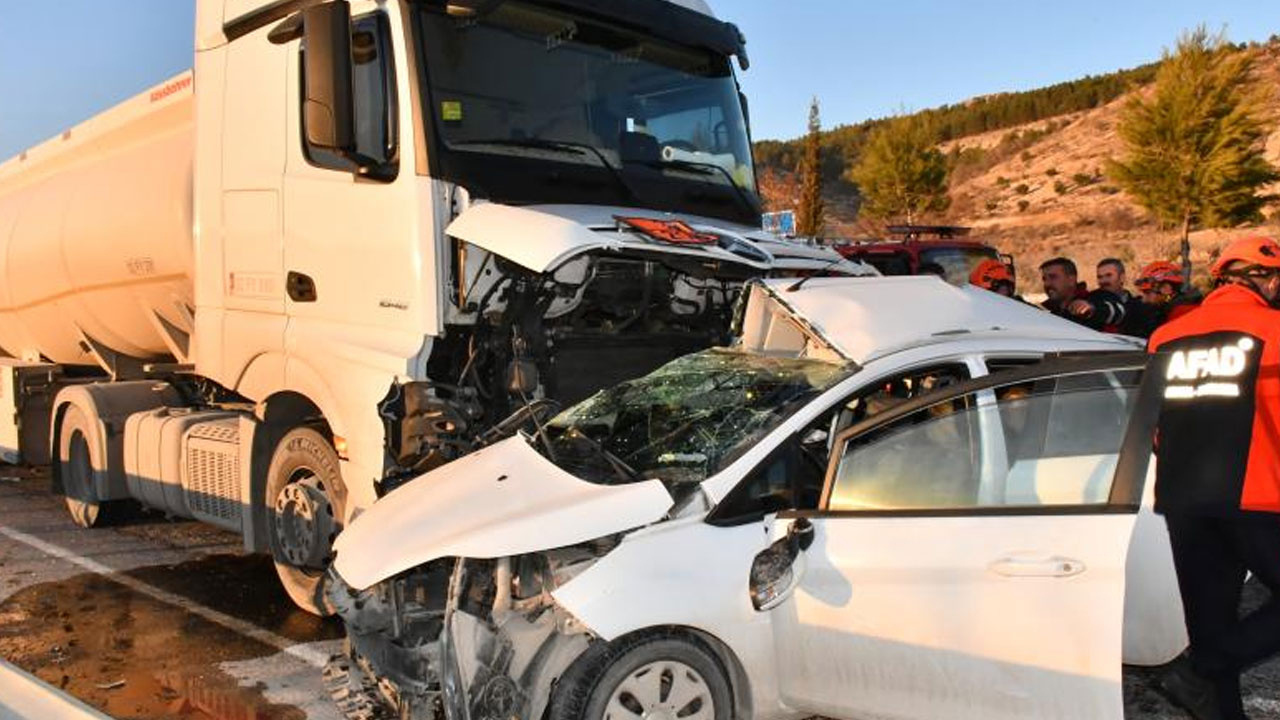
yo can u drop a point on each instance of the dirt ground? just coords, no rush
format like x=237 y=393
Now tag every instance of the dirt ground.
x=135 y=657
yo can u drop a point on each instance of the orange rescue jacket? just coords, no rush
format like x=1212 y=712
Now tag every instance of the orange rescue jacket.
x=1219 y=432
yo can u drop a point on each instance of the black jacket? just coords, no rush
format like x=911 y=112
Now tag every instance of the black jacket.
x=1108 y=309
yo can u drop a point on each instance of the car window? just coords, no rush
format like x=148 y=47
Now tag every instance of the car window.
x=791 y=477
x=871 y=400
x=1052 y=442
x=895 y=264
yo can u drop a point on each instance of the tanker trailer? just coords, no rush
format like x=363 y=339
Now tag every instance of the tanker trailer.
x=342 y=250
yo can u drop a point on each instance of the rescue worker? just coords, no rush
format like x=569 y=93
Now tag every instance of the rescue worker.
x=1161 y=284
x=993 y=275
x=1218 y=474
x=1071 y=299
x=1111 y=277
x=1138 y=318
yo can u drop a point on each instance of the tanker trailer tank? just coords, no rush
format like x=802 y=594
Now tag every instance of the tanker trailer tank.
x=96 y=238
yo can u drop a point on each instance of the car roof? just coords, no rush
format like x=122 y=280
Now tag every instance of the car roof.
x=863 y=319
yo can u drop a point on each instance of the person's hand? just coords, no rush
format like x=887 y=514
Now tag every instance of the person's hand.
x=1083 y=308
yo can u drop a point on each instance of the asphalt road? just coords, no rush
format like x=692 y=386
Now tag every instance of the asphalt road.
x=152 y=618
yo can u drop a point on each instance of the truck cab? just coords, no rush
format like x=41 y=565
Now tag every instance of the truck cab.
x=909 y=249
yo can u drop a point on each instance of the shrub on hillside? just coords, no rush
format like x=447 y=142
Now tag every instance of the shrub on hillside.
x=1021 y=189
x=1060 y=187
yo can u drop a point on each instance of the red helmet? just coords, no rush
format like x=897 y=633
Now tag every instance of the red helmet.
x=989 y=272
x=1255 y=251
x=1158 y=272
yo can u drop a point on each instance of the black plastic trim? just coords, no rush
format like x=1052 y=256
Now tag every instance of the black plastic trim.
x=665 y=19
x=263 y=16
x=977 y=511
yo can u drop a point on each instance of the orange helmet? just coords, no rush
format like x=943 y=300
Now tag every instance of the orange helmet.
x=989 y=272
x=1256 y=251
x=1158 y=272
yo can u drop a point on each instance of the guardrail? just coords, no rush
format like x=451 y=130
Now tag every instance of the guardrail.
x=24 y=696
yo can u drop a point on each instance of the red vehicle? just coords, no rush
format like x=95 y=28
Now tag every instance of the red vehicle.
x=909 y=247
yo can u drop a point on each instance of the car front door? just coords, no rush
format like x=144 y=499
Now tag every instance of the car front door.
x=968 y=556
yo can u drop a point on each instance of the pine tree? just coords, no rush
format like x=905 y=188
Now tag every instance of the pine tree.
x=901 y=173
x=1194 y=149
x=810 y=214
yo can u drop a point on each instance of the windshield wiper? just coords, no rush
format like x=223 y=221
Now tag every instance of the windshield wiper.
x=707 y=168
x=562 y=146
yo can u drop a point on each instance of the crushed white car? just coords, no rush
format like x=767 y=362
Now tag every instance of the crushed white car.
x=890 y=498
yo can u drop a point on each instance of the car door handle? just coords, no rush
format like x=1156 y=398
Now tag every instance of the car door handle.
x=1037 y=566
x=301 y=287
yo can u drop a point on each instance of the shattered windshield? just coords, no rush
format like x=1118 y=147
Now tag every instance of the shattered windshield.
x=685 y=421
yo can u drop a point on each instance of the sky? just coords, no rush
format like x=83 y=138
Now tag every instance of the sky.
x=62 y=61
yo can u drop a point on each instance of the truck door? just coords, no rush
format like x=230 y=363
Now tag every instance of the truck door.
x=353 y=256
x=253 y=155
x=958 y=576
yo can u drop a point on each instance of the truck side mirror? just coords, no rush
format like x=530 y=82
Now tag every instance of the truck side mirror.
x=329 y=107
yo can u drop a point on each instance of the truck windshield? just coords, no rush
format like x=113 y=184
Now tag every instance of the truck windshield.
x=582 y=106
x=958 y=261
x=686 y=420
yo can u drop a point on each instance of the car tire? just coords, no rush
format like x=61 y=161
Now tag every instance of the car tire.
x=615 y=681
x=303 y=502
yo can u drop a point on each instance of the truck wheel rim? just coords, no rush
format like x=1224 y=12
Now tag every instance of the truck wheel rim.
x=661 y=690
x=304 y=525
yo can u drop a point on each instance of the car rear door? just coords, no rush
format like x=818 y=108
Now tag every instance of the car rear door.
x=968 y=556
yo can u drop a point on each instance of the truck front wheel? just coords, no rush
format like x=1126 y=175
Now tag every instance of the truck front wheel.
x=304 y=500
x=76 y=467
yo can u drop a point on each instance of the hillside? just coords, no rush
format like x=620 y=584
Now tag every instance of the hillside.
x=1037 y=189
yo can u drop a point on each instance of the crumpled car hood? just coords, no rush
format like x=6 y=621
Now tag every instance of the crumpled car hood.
x=542 y=237
x=505 y=499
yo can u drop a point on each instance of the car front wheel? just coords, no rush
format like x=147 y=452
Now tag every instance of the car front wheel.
x=657 y=677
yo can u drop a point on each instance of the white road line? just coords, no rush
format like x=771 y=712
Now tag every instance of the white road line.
x=304 y=653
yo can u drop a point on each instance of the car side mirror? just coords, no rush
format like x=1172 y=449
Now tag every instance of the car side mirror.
x=329 y=106
x=777 y=570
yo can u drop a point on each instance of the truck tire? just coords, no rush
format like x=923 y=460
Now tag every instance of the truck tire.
x=303 y=501
x=613 y=681
x=75 y=467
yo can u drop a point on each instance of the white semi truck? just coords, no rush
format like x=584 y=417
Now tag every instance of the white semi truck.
x=362 y=238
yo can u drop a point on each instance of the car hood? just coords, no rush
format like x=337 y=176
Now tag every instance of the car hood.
x=502 y=500
x=542 y=237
